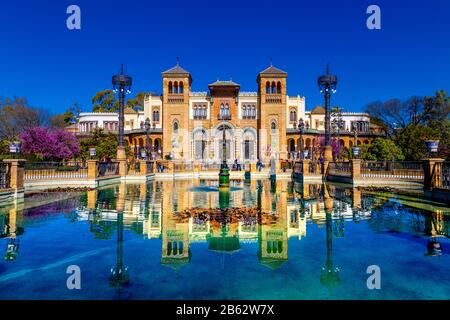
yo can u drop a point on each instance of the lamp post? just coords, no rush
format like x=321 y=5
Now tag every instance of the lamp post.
x=224 y=174
x=301 y=127
x=147 y=136
x=355 y=149
x=327 y=85
x=122 y=85
x=337 y=124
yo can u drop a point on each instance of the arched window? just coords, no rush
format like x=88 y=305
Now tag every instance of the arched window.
x=279 y=87
x=204 y=111
x=254 y=112
x=175 y=87
x=274 y=88
x=175 y=126
x=170 y=87
x=293 y=116
x=221 y=111
x=227 y=110
x=155 y=115
x=244 y=112
x=267 y=87
x=273 y=126
x=181 y=87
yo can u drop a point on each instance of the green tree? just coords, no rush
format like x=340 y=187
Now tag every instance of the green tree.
x=137 y=103
x=105 y=144
x=69 y=117
x=105 y=101
x=409 y=123
x=412 y=141
x=386 y=149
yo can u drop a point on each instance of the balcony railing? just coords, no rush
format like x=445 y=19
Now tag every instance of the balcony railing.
x=106 y=169
x=445 y=175
x=224 y=117
x=175 y=98
x=392 y=169
x=273 y=98
x=55 y=170
x=342 y=169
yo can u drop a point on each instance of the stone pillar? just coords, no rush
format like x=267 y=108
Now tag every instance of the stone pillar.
x=327 y=200
x=327 y=158
x=305 y=190
x=92 y=199
x=277 y=166
x=355 y=167
x=122 y=159
x=432 y=173
x=143 y=167
x=143 y=191
x=170 y=167
x=305 y=166
x=356 y=198
x=17 y=171
x=120 y=204
x=92 y=169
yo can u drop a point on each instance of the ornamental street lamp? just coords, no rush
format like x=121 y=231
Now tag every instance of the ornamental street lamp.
x=301 y=127
x=147 y=126
x=336 y=113
x=122 y=85
x=224 y=174
x=327 y=85
x=355 y=149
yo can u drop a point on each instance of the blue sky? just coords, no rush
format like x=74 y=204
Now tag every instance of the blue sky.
x=42 y=60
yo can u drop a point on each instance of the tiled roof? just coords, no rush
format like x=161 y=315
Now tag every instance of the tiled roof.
x=273 y=70
x=220 y=83
x=177 y=69
x=318 y=110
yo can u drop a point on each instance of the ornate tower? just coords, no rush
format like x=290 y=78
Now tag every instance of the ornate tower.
x=176 y=89
x=272 y=109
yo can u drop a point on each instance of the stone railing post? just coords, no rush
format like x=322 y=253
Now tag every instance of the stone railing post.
x=432 y=173
x=143 y=167
x=355 y=167
x=170 y=167
x=92 y=169
x=305 y=167
x=327 y=158
x=197 y=167
x=17 y=172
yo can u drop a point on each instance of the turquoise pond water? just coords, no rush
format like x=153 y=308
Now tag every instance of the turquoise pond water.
x=279 y=241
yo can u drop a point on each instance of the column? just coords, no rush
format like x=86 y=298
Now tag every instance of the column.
x=17 y=171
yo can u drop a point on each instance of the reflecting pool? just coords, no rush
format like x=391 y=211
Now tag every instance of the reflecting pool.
x=259 y=240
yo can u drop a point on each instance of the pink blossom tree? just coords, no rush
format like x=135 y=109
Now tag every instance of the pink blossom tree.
x=334 y=145
x=49 y=143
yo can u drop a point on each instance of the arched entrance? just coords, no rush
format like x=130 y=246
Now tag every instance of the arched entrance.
x=229 y=142
x=249 y=144
x=200 y=144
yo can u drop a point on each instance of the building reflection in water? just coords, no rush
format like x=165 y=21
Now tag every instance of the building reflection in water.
x=11 y=227
x=191 y=211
